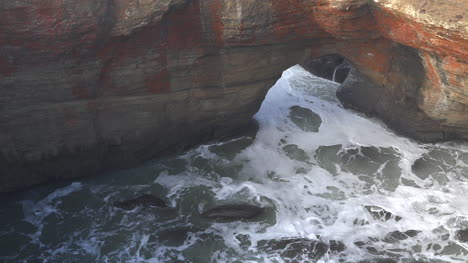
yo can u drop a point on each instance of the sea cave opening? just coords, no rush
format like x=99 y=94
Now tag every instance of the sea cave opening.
x=314 y=183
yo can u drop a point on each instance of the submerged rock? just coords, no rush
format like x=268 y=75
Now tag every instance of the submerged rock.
x=396 y=236
x=379 y=260
x=305 y=119
x=438 y=162
x=176 y=236
x=381 y=214
x=230 y=149
x=452 y=248
x=233 y=212
x=295 y=153
x=366 y=159
x=377 y=166
x=298 y=248
x=145 y=200
x=337 y=246
x=327 y=157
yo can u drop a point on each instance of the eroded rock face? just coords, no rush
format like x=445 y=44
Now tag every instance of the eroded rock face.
x=92 y=85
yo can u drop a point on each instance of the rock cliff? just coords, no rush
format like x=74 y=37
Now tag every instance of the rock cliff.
x=89 y=85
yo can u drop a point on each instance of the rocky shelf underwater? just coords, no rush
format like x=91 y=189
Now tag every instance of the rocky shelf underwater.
x=314 y=183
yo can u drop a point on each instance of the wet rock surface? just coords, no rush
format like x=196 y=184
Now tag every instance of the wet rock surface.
x=233 y=147
x=373 y=165
x=305 y=119
x=233 y=212
x=295 y=153
x=437 y=164
x=145 y=200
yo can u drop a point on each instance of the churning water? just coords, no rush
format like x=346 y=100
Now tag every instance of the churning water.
x=336 y=187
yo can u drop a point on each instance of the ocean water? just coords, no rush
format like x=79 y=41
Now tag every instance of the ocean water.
x=336 y=187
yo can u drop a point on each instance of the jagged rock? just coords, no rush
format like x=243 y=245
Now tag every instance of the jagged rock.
x=145 y=200
x=233 y=212
x=93 y=85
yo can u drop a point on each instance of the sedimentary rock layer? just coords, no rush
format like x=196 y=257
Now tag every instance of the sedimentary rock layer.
x=91 y=85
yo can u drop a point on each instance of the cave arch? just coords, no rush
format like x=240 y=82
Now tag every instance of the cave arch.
x=332 y=67
x=121 y=83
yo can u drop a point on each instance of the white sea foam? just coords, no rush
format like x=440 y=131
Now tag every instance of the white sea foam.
x=315 y=202
x=323 y=189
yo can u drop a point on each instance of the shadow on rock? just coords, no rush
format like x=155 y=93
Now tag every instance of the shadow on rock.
x=145 y=200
